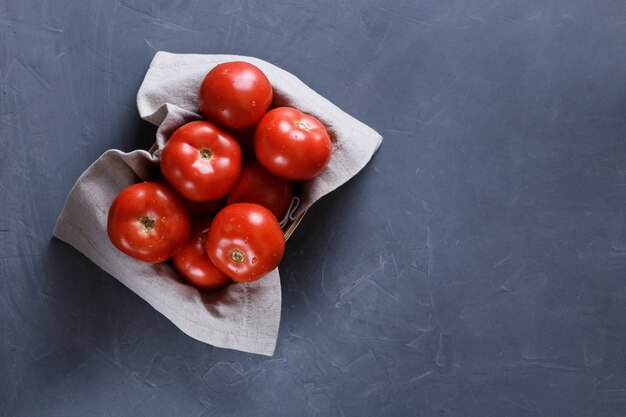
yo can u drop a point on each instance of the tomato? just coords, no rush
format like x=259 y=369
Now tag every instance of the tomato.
x=258 y=185
x=291 y=144
x=201 y=161
x=204 y=209
x=195 y=266
x=245 y=241
x=235 y=95
x=148 y=221
x=245 y=139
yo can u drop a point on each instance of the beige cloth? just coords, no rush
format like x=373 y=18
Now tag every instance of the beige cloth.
x=244 y=317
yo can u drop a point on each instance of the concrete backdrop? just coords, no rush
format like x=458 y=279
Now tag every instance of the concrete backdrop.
x=477 y=267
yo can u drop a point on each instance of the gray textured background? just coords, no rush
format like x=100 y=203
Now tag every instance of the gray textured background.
x=476 y=267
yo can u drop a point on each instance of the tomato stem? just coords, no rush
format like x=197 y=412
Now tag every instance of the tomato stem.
x=205 y=153
x=302 y=125
x=147 y=223
x=237 y=256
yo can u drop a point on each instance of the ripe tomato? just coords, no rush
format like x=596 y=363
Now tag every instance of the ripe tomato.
x=245 y=139
x=235 y=95
x=148 y=221
x=291 y=144
x=245 y=241
x=195 y=266
x=201 y=161
x=204 y=209
x=258 y=185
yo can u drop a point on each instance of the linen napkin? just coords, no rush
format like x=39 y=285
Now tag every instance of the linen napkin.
x=243 y=316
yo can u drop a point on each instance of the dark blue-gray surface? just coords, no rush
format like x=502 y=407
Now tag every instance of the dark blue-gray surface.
x=477 y=267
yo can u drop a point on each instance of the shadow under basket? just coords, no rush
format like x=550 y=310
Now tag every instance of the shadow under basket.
x=288 y=229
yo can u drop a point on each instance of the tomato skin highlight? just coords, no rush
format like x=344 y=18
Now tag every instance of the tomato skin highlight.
x=201 y=161
x=148 y=221
x=292 y=145
x=257 y=185
x=193 y=264
x=245 y=241
x=235 y=95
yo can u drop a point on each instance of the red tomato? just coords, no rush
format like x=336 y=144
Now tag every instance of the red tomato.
x=245 y=241
x=245 y=139
x=204 y=209
x=258 y=185
x=148 y=221
x=195 y=266
x=201 y=161
x=291 y=144
x=235 y=95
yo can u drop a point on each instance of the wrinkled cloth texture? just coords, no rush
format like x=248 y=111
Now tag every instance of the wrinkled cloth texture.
x=243 y=316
